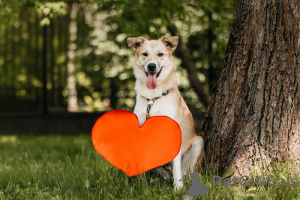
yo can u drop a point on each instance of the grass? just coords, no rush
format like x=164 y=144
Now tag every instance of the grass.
x=68 y=167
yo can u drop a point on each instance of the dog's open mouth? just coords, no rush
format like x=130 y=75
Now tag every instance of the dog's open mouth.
x=152 y=79
x=157 y=74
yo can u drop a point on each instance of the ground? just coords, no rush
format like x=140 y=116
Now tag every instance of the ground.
x=68 y=167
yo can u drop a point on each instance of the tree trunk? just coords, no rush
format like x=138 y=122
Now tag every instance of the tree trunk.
x=45 y=70
x=254 y=113
x=52 y=63
x=37 y=59
x=189 y=65
x=71 y=82
x=113 y=93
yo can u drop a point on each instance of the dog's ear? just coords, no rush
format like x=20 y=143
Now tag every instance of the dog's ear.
x=135 y=42
x=170 y=42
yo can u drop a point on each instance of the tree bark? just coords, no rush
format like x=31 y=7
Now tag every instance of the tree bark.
x=253 y=117
x=45 y=70
x=52 y=63
x=71 y=82
x=189 y=65
x=37 y=59
x=113 y=93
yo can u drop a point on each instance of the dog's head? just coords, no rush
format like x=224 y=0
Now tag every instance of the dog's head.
x=154 y=58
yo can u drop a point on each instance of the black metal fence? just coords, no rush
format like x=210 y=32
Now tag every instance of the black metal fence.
x=32 y=57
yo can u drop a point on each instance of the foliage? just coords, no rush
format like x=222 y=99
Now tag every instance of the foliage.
x=204 y=25
x=206 y=36
x=229 y=172
x=49 y=10
x=68 y=167
x=103 y=61
x=9 y=8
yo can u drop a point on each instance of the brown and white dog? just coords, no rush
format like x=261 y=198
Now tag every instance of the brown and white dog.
x=154 y=71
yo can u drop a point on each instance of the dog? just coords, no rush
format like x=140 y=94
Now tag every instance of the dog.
x=157 y=94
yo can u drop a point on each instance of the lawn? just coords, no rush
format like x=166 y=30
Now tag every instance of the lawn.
x=68 y=167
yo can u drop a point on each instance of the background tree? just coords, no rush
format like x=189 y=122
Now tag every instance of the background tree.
x=71 y=82
x=103 y=62
x=201 y=36
x=254 y=114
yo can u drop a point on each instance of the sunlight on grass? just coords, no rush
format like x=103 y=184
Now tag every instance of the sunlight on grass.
x=68 y=167
x=10 y=138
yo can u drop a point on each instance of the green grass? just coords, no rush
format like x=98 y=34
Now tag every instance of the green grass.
x=68 y=167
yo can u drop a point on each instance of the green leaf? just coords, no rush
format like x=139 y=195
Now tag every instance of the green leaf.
x=229 y=172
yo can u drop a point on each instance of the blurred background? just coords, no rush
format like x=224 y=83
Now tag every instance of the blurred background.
x=63 y=63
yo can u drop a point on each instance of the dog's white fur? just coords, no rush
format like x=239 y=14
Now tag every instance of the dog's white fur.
x=172 y=105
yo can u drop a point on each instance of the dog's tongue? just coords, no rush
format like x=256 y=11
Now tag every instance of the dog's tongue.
x=151 y=81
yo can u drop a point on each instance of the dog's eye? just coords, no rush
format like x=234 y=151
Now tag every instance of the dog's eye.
x=160 y=54
x=145 y=54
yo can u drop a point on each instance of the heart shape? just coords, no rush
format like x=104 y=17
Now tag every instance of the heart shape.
x=118 y=138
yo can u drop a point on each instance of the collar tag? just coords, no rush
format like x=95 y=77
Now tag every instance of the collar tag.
x=150 y=102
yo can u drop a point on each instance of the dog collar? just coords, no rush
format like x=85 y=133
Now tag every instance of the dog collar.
x=151 y=101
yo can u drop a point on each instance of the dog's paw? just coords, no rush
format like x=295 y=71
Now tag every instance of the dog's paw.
x=178 y=185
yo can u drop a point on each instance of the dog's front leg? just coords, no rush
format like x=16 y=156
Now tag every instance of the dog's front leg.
x=177 y=174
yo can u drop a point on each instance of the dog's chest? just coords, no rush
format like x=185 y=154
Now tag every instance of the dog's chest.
x=161 y=107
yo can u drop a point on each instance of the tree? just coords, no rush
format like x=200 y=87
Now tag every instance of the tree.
x=254 y=113
x=101 y=53
x=189 y=65
x=188 y=20
x=71 y=82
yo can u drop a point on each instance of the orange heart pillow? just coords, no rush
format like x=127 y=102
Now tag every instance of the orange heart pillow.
x=118 y=137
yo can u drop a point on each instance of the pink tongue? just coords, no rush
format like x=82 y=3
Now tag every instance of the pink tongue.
x=151 y=81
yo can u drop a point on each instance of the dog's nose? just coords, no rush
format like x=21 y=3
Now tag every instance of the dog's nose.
x=151 y=67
